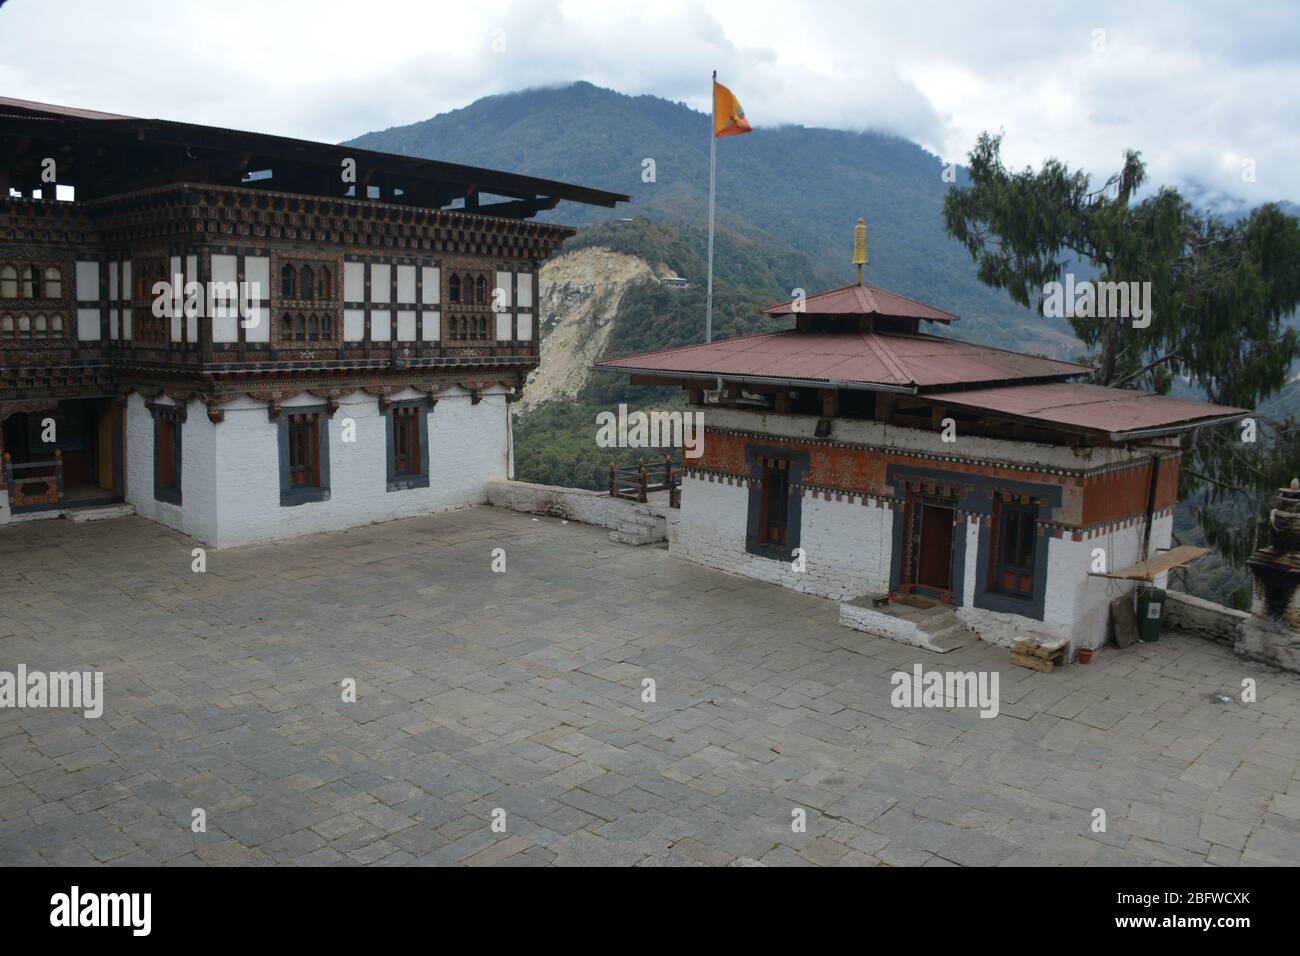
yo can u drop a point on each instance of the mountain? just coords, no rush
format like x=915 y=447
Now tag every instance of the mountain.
x=788 y=198
x=795 y=191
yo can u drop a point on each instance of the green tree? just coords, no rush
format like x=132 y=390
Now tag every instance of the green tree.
x=1219 y=292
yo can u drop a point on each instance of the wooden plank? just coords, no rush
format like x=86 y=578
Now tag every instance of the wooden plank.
x=1123 y=620
x=1033 y=663
x=1148 y=570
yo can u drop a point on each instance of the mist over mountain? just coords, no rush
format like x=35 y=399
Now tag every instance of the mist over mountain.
x=789 y=189
x=788 y=198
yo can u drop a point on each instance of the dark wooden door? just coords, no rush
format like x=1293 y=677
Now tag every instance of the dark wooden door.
x=934 y=563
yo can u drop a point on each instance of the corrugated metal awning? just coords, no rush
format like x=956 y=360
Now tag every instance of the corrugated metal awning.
x=1118 y=412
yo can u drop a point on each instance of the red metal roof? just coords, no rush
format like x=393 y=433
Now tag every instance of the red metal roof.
x=862 y=300
x=1116 y=411
x=873 y=358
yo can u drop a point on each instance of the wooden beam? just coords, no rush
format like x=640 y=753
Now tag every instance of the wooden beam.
x=1150 y=569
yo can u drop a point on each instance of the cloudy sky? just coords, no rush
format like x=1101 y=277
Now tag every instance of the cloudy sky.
x=1207 y=91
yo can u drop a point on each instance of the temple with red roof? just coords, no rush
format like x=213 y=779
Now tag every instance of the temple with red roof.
x=863 y=457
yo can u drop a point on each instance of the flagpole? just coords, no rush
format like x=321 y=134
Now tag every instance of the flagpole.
x=713 y=163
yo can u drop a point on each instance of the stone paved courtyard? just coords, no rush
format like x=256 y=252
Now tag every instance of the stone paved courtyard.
x=522 y=691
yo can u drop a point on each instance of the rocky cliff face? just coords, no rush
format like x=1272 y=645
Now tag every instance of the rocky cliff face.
x=580 y=296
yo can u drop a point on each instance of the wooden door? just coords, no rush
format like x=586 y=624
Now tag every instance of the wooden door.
x=934 y=563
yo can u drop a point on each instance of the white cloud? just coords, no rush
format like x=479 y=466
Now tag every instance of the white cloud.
x=1195 y=92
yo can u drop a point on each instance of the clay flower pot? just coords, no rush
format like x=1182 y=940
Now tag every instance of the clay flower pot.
x=1084 y=656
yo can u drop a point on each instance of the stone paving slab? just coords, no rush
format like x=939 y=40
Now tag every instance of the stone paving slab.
x=518 y=698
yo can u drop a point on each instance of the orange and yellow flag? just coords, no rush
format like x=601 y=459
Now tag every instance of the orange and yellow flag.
x=728 y=117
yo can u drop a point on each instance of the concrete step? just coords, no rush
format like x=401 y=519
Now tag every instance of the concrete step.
x=935 y=629
x=640 y=528
x=81 y=515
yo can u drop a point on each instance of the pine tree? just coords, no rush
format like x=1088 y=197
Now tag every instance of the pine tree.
x=1219 y=292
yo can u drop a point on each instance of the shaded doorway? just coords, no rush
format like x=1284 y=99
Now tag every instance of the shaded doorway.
x=69 y=455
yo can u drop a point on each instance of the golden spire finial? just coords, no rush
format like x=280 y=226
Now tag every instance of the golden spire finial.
x=860 y=247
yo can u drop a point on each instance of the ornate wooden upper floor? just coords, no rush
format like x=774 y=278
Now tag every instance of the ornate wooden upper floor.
x=219 y=258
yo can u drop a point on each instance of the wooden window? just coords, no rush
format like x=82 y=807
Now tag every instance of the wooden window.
x=480 y=291
x=31 y=282
x=8 y=282
x=304 y=451
x=25 y=326
x=306 y=327
x=1014 y=547
x=167 y=470
x=453 y=289
x=406 y=441
x=147 y=328
x=775 y=504
x=53 y=283
x=308 y=285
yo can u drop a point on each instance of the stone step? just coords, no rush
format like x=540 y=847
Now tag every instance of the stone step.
x=639 y=528
x=936 y=629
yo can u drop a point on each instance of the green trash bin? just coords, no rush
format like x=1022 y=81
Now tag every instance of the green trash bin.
x=1150 y=611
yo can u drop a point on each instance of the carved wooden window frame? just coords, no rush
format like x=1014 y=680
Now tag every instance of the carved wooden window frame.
x=306 y=322
x=147 y=329
x=469 y=322
x=32 y=319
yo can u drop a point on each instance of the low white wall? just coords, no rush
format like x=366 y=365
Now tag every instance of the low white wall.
x=575 y=504
x=1201 y=618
